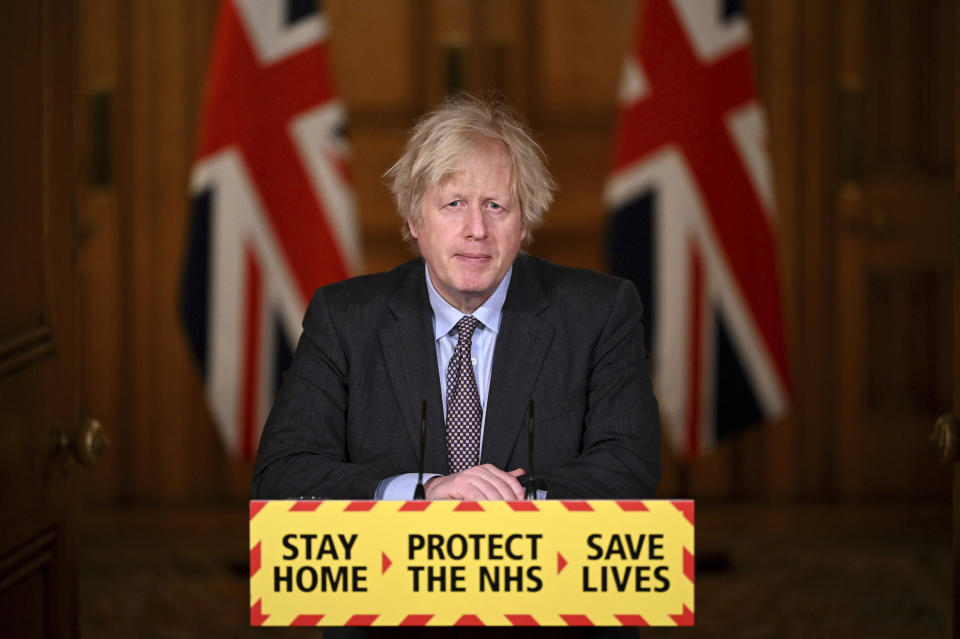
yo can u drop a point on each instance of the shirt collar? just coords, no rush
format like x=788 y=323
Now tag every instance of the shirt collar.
x=445 y=316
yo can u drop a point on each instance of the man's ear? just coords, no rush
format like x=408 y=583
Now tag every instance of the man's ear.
x=413 y=228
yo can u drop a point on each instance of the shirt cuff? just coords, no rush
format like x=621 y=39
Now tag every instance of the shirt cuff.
x=400 y=487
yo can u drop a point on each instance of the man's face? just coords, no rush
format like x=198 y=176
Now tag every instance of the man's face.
x=471 y=228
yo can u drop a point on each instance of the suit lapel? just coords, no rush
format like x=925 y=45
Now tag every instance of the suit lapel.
x=407 y=342
x=522 y=345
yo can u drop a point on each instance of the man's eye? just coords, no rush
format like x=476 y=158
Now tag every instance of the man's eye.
x=495 y=206
x=454 y=204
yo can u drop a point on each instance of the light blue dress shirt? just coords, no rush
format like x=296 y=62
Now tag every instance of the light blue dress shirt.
x=445 y=318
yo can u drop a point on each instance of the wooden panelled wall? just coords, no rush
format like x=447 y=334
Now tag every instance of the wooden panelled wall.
x=845 y=110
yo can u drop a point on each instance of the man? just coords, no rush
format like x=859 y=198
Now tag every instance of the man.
x=477 y=330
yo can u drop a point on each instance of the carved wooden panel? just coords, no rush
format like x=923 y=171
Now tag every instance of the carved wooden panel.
x=37 y=357
x=908 y=324
x=896 y=245
x=28 y=589
x=580 y=51
x=21 y=126
x=373 y=54
x=909 y=89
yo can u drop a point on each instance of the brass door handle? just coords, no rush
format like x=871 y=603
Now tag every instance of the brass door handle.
x=87 y=445
x=946 y=437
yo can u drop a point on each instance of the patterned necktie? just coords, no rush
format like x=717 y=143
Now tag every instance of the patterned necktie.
x=464 y=413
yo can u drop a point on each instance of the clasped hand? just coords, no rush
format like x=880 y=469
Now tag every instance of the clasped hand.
x=477 y=483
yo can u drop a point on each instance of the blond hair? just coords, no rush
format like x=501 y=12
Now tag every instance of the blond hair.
x=445 y=137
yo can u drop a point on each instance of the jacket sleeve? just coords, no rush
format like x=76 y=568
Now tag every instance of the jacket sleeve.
x=619 y=455
x=303 y=449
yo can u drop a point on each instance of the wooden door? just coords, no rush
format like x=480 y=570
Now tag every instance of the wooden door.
x=956 y=330
x=895 y=223
x=37 y=357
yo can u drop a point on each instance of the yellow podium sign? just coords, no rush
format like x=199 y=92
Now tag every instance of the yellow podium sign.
x=487 y=563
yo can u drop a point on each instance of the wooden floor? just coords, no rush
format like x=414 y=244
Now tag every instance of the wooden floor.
x=880 y=570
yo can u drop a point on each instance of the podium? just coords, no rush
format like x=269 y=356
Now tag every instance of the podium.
x=458 y=563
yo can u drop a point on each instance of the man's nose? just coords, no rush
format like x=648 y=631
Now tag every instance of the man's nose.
x=476 y=222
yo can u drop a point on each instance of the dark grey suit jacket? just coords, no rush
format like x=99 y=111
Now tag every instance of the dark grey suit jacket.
x=348 y=413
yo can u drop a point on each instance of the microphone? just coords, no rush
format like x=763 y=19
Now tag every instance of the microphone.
x=531 y=488
x=420 y=493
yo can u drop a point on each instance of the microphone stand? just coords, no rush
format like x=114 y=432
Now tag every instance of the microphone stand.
x=531 y=490
x=420 y=492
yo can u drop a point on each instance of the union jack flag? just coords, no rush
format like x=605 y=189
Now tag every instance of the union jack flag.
x=272 y=209
x=692 y=218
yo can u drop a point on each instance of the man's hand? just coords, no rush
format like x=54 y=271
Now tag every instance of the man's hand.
x=477 y=483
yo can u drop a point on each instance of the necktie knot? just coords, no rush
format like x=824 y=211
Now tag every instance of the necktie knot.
x=466 y=326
